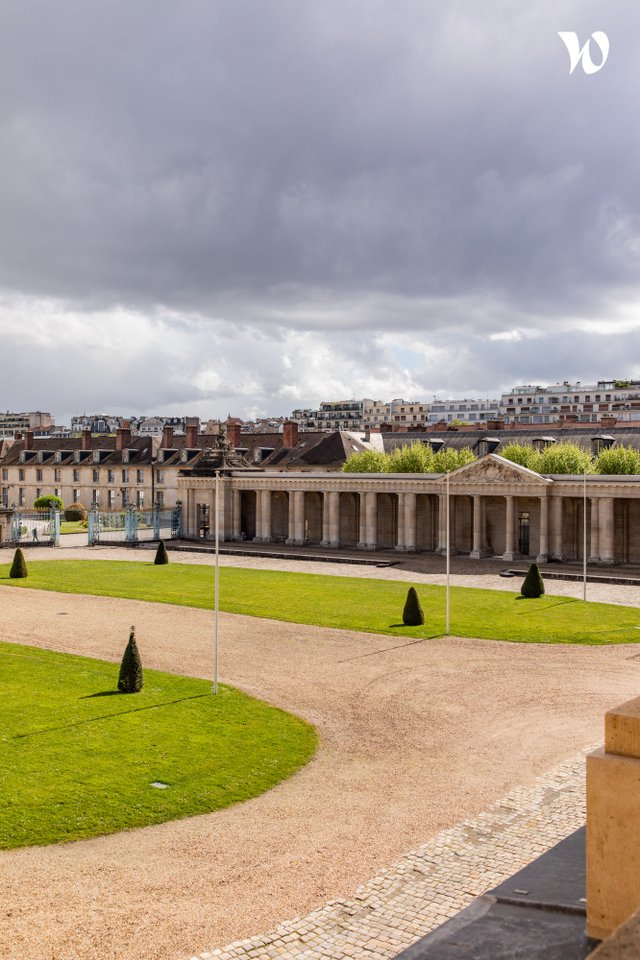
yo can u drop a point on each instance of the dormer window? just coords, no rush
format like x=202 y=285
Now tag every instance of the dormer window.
x=603 y=442
x=125 y=456
x=541 y=443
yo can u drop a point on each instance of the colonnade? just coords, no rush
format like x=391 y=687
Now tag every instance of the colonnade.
x=481 y=524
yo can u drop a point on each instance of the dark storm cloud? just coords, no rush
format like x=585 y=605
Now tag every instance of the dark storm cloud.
x=176 y=154
x=270 y=188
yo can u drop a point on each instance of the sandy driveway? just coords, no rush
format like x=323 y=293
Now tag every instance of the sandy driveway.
x=414 y=739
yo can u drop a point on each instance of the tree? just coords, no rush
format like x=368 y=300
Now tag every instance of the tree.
x=48 y=500
x=75 y=511
x=618 y=460
x=565 y=458
x=450 y=459
x=130 y=678
x=411 y=458
x=533 y=584
x=19 y=566
x=412 y=615
x=523 y=454
x=368 y=461
x=161 y=554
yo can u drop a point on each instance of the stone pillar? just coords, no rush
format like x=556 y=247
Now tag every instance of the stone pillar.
x=476 y=549
x=326 y=533
x=556 y=528
x=594 y=552
x=370 y=521
x=362 y=521
x=509 y=528
x=266 y=516
x=442 y=520
x=298 y=530
x=410 y=500
x=334 y=519
x=291 y=523
x=613 y=814
x=400 y=540
x=236 y=522
x=190 y=524
x=258 y=536
x=605 y=530
x=543 y=555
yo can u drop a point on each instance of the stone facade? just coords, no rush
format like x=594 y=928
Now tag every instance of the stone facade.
x=497 y=508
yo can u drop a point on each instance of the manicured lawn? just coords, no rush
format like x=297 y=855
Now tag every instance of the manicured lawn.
x=78 y=760
x=350 y=603
x=72 y=526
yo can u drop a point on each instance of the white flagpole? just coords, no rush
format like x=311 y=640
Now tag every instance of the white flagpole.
x=584 y=537
x=448 y=545
x=216 y=594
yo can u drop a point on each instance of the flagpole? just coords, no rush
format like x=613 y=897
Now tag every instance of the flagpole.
x=447 y=542
x=216 y=593
x=584 y=536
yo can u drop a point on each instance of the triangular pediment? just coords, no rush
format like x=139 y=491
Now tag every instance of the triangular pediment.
x=495 y=469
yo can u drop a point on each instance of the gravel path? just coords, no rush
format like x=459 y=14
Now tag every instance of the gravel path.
x=414 y=738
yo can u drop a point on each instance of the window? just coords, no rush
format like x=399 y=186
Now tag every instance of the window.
x=39 y=474
x=139 y=476
x=76 y=496
x=56 y=475
x=159 y=476
x=96 y=475
x=160 y=499
x=21 y=498
x=95 y=496
x=140 y=498
x=125 y=497
x=38 y=492
x=5 y=474
x=21 y=473
x=125 y=476
x=111 y=499
x=57 y=492
x=110 y=476
x=76 y=475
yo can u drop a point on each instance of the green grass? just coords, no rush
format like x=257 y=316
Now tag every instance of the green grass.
x=344 y=602
x=72 y=526
x=76 y=761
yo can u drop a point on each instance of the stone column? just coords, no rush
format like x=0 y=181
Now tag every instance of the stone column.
x=298 y=531
x=326 y=530
x=266 y=516
x=613 y=813
x=594 y=553
x=236 y=523
x=605 y=534
x=334 y=519
x=509 y=528
x=258 y=536
x=400 y=540
x=543 y=555
x=556 y=528
x=476 y=549
x=362 y=521
x=190 y=525
x=410 y=500
x=442 y=521
x=291 y=524
x=371 y=520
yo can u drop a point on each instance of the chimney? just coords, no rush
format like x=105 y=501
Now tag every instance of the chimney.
x=233 y=431
x=167 y=438
x=191 y=432
x=86 y=440
x=28 y=440
x=289 y=434
x=123 y=437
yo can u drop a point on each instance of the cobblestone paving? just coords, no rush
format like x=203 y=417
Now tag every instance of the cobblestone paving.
x=432 y=883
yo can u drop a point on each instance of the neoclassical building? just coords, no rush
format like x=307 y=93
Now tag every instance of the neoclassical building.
x=496 y=508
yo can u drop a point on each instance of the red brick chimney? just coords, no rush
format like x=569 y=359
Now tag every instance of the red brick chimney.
x=86 y=440
x=123 y=437
x=289 y=434
x=28 y=440
x=233 y=431
x=191 y=432
x=167 y=437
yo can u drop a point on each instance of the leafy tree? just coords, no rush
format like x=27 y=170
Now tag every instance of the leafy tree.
x=130 y=678
x=565 y=458
x=161 y=554
x=368 y=461
x=618 y=460
x=48 y=500
x=450 y=459
x=533 y=584
x=411 y=458
x=75 y=511
x=19 y=566
x=522 y=453
x=412 y=615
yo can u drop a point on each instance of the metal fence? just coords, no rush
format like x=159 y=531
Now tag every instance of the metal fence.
x=40 y=527
x=132 y=525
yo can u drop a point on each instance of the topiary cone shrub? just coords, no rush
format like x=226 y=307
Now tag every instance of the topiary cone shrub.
x=130 y=679
x=412 y=615
x=533 y=585
x=19 y=565
x=161 y=553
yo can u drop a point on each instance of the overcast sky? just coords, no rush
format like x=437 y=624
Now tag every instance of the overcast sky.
x=246 y=206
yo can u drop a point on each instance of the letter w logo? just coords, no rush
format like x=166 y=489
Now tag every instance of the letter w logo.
x=571 y=42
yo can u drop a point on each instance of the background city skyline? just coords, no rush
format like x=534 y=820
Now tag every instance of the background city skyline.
x=248 y=206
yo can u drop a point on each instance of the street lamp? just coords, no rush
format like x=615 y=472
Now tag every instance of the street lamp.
x=216 y=591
